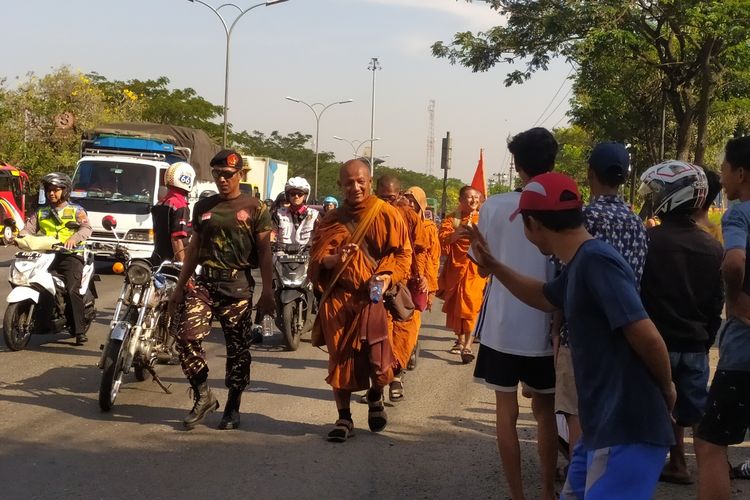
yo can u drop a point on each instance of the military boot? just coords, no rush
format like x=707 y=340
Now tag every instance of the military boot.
x=231 y=417
x=205 y=402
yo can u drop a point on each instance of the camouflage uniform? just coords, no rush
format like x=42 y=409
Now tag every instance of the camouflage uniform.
x=228 y=230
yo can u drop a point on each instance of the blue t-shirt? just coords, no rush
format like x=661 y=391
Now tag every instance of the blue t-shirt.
x=734 y=342
x=619 y=402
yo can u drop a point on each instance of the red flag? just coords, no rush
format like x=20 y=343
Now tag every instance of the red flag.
x=478 y=182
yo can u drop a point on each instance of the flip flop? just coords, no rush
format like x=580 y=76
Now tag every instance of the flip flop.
x=457 y=348
x=467 y=356
x=342 y=430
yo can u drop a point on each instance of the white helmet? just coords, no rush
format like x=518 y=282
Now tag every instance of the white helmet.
x=180 y=175
x=298 y=183
x=674 y=185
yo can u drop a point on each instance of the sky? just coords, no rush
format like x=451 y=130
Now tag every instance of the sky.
x=314 y=50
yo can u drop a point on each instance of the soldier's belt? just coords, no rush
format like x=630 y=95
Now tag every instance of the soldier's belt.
x=219 y=274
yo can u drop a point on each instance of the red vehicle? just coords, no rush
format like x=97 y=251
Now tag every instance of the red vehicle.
x=13 y=186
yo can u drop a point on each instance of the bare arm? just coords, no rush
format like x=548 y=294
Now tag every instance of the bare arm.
x=649 y=345
x=190 y=261
x=266 y=263
x=178 y=249
x=733 y=269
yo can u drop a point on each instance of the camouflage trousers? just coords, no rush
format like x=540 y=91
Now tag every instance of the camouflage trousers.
x=202 y=303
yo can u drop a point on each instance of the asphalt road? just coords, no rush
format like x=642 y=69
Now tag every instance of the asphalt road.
x=440 y=441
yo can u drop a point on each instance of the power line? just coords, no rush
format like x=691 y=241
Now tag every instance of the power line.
x=558 y=105
x=553 y=97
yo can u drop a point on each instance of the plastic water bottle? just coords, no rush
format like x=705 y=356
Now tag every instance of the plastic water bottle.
x=267 y=326
x=376 y=291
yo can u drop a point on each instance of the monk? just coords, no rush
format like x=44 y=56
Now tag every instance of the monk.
x=428 y=262
x=460 y=285
x=359 y=246
x=405 y=333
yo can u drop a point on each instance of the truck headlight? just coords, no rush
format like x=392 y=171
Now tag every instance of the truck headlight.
x=140 y=235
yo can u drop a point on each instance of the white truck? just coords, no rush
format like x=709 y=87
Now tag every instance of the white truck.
x=266 y=174
x=120 y=171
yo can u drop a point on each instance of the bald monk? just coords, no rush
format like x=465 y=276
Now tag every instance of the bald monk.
x=357 y=332
x=405 y=333
x=460 y=285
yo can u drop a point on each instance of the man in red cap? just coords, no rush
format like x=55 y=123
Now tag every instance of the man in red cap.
x=621 y=363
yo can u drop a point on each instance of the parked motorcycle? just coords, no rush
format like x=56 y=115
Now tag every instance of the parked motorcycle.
x=36 y=303
x=295 y=302
x=139 y=330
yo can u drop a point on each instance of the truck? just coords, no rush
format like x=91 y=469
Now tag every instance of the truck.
x=265 y=174
x=120 y=170
x=13 y=188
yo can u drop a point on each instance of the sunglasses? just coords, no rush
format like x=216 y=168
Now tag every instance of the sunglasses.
x=296 y=193
x=224 y=174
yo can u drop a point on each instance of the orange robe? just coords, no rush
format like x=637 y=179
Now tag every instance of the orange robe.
x=460 y=285
x=432 y=256
x=406 y=333
x=349 y=366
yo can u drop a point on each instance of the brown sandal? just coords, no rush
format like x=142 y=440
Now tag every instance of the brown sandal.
x=342 y=430
x=466 y=355
x=376 y=416
x=457 y=348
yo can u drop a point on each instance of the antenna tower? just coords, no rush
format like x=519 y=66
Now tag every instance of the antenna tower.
x=430 y=161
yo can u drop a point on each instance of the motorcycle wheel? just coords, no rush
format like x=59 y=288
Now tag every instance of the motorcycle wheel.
x=292 y=332
x=111 y=374
x=89 y=311
x=18 y=324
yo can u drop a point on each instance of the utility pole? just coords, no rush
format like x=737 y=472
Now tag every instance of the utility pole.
x=445 y=164
x=430 y=161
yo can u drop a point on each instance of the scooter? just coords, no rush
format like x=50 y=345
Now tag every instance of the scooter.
x=36 y=303
x=295 y=302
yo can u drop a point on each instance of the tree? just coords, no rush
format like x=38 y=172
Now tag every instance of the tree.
x=692 y=47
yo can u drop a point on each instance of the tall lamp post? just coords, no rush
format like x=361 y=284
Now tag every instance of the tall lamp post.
x=355 y=145
x=228 y=29
x=373 y=66
x=318 y=114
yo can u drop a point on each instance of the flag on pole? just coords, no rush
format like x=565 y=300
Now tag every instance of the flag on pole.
x=478 y=182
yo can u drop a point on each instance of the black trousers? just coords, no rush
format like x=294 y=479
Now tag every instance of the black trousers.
x=70 y=267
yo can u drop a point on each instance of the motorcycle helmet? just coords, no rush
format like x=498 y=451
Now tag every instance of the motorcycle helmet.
x=180 y=175
x=207 y=194
x=332 y=200
x=297 y=183
x=674 y=185
x=58 y=179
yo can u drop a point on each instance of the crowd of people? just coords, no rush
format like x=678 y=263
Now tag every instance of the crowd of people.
x=596 y=317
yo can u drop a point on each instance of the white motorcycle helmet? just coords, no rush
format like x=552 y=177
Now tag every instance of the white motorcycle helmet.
x=298 y=184
x=674 y=185
x=180 y=175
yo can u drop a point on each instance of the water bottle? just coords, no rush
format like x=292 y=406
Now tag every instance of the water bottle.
x=159 y=281
x=267 y=326
x=376 y=291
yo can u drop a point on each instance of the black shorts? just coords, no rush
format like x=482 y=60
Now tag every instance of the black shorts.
x=502 y=372
x=727 y=417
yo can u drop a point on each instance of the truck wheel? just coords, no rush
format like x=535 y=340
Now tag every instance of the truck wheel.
x=18 y=324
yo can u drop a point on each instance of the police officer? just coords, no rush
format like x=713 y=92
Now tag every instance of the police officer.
x=231 y=234
x=296 y=221
x=53 y=219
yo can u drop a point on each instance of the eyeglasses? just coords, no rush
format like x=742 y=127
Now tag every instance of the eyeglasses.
x=224 y=174
x=295 y=193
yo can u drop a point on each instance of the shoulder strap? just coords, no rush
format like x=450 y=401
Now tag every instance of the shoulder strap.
x=357 y=237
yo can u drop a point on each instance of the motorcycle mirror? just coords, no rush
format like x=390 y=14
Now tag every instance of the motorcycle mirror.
x=109 y=222
x=72 y=225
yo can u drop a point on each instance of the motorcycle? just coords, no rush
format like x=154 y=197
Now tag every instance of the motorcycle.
x=139 y=331
x=295 y=302
x=36 y=303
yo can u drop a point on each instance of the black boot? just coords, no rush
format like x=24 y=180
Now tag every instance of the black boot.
x=231 y=417
x=205 y=402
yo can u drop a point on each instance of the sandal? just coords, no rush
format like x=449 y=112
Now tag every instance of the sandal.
x=467 y=356
x=396 y=390
x=457 y=347
x=376 y=417
x=342 y=430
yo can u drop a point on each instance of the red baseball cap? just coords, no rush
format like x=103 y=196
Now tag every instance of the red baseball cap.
x=549 y=192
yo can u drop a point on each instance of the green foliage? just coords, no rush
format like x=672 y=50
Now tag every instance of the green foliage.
x=572 y=158
x=432 y=186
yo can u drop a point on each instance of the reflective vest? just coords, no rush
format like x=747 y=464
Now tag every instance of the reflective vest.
x=301 y=234
x=52 y=223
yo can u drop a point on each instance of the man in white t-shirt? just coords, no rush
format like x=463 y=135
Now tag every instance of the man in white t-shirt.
x=515 y=344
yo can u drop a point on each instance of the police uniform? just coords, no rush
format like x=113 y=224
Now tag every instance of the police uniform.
x=228 y=231
x=296 y=227
x=52 y=221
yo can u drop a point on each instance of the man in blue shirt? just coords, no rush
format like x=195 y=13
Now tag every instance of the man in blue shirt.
x=621 y=365
x=727 y=417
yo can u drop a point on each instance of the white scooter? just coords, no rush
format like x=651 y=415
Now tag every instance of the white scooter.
x=36 y=303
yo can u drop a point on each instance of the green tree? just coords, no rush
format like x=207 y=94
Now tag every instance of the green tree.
x=693 y=47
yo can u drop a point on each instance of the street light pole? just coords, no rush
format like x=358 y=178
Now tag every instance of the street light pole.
x=373 y=66
x=318 y=115
x=228 y=29
x=359 y=144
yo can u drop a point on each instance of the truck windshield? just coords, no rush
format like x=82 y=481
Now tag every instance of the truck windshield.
x=97 y=185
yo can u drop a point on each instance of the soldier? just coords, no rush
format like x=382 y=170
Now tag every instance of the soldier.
x=231 y=234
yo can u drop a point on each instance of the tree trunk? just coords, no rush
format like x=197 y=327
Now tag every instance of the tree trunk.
x=708 y=86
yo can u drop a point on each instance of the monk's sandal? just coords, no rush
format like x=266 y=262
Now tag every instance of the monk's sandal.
x=342 y=430
x=376 y=417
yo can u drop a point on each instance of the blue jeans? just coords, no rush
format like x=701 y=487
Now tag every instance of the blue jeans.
x=690 y=377
x=626 y=472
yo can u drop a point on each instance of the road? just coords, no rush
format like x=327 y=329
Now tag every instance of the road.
x=440 y=441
